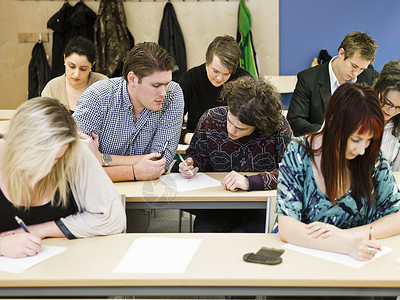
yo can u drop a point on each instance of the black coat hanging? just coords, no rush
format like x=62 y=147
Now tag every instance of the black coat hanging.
x=39 y=71
x=171 y=39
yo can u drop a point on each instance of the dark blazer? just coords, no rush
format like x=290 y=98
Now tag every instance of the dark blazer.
x=313 y=89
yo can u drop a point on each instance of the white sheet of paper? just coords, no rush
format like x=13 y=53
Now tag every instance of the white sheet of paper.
x=343 y=259
x=158 y=255
x=18 y=265
x=182 y=147
x=180 y=184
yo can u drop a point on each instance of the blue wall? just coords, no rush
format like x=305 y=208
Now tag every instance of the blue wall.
x=307 y=26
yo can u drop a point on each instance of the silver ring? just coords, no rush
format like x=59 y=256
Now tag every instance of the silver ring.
x=370 y=251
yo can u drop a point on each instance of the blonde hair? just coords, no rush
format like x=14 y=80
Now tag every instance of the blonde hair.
x=40 y=128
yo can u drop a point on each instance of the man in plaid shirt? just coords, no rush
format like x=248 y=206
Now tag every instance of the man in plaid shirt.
x=127 y=121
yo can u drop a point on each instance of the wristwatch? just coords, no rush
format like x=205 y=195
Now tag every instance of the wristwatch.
x=106 y=159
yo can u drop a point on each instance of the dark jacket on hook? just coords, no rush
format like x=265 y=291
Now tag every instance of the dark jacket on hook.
x=39 y=71
x=68 y=22
x=171 y=39
x=112 y=38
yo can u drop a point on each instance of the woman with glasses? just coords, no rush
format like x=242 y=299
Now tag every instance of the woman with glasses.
x=387 y=87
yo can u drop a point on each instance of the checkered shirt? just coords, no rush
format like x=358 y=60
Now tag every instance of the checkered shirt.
x=105 y=109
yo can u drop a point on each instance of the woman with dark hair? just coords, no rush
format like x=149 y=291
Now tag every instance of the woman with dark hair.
x=249 y=135
x=79 y=56
x=335 y=185
x=387 y=87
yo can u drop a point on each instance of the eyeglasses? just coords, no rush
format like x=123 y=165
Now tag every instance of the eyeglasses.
x=390 y=105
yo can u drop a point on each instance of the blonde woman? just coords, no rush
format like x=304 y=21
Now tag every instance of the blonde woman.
x=51 y=181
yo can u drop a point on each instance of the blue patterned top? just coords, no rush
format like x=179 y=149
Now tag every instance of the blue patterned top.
x=299 y=197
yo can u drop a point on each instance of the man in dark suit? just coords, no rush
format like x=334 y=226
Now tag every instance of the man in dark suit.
x=315 y=85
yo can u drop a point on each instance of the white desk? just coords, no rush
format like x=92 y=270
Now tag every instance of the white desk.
x=157 y=195
x=6 y=114
x=217 y=268
x=4 y=126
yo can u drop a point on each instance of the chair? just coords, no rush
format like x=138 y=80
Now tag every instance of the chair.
x=285 y=85
x=180 y=221
x=123 y=200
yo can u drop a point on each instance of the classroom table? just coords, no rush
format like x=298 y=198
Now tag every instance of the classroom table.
x=216 y=269
x=155 y=194
x=6 y=114
x=4 y=126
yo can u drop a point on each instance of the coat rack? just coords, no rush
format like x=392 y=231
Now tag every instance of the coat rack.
x=33 y=37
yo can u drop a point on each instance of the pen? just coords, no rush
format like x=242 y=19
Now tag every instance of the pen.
x=163 y=151
x=184 y=162
x=21 y=223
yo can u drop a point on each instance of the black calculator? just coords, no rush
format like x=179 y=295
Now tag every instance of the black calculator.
x=267 y=256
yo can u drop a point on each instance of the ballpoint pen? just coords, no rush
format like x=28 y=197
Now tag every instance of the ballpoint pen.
x=184 y=162
x=164 y=149
x=21 y=223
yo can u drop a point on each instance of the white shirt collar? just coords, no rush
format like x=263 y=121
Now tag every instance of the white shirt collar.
x=334 y=82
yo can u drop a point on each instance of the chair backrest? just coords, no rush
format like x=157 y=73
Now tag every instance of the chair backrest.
x=284 y=84
x=123 y=200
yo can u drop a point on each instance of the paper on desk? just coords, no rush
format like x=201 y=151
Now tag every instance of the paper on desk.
x=158 y=255
x=180 y=184
x=182 y=147
x=18 y=265
x=343 y=259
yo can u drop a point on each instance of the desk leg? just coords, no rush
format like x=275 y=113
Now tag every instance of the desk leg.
x=267 y=215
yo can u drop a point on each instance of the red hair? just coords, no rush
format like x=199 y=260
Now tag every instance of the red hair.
x=351 y=109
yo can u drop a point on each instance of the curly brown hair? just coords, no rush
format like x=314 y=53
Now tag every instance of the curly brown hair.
x=255 y=102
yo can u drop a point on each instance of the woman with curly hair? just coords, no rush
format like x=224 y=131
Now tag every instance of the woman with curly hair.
x=387 y=87
x=248 y=135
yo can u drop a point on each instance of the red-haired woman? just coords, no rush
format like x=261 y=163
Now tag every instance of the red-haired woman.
x=334 y=185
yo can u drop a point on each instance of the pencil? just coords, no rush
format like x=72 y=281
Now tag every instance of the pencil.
x=184 y=162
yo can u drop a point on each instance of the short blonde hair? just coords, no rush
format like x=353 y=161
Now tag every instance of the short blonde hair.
x=358 y=41
x=40 y=128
